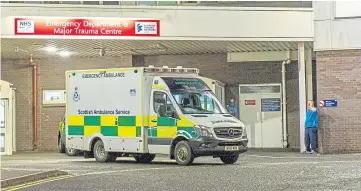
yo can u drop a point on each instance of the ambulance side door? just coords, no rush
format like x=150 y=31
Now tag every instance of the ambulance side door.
x=162 y=121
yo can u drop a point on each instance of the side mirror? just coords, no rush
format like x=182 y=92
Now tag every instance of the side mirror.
x=162 y=110
x=175 y=115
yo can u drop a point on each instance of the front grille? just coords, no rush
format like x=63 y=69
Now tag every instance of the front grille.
x=228 y=132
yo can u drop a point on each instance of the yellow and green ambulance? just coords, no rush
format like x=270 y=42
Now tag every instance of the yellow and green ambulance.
x=145 y=111
x=61 y=140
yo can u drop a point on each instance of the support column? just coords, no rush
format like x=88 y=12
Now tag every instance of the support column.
x=309 y=80
x=302 y=92
x=126 y=60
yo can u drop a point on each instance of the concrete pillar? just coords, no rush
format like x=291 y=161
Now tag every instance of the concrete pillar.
x=126 y=60
x=302 y=92
x=309 y=86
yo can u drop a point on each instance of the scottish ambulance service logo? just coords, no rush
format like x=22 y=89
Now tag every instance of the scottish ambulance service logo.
x=146 y=28
x=76 y=96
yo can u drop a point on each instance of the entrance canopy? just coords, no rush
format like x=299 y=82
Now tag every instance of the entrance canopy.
x=16 y=48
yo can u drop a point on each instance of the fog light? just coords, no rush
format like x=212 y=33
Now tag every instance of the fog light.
x=204 y=145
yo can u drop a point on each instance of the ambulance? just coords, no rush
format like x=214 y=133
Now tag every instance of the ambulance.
x=145 y=111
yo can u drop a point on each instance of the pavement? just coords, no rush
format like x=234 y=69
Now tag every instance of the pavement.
x=255 y=170
x=9 y=174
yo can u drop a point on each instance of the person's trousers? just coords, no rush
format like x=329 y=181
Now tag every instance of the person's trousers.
x=311 y=138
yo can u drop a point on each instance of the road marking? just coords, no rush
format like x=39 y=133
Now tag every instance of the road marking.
x=26 y=185
x=128 y=170
x=291 y=163
x=301 y=157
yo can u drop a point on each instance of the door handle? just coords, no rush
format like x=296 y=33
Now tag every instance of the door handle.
x=262 y=116
x=154 y=120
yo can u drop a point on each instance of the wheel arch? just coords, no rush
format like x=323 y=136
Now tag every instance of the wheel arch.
x=174 y=142
x=93 y=141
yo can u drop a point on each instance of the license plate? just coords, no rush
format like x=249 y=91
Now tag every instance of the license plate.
x=231 y=148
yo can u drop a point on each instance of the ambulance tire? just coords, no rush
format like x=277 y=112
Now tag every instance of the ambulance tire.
x=61 y=146
x=183 y=153
x=100 y=154
x=229 y=159
x=145 y=158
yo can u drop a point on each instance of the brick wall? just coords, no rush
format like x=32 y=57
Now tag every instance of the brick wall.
x=50 y=77
x=19 y=73
x=216 y=67
x=339 y=77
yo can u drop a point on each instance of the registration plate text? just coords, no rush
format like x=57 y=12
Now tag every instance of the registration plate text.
x=231 y=148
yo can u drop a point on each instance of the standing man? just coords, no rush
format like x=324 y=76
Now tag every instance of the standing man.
x=311 y=124
x=232 y=108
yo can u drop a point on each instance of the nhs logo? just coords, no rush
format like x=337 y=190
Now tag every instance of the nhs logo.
x=25 y=26
x=146 y=28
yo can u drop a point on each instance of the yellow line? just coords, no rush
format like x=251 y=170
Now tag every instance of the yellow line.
x=26 y=185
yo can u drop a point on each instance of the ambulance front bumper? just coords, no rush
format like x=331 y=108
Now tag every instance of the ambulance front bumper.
x=206 y=146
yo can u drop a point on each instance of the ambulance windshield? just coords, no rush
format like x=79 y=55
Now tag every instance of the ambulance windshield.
x=193 y=96
x=198 y=102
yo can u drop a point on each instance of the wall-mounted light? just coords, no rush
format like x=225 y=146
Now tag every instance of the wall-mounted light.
x=64 y=53
x=50 y=49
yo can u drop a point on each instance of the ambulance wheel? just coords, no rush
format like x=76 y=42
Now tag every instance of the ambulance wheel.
x=183 y=153
x=229 y=159
x=145 y=158
x=71 y=152
x=61 y=146
x=100 y=154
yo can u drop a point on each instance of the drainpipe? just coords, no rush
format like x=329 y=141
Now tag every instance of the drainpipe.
x=35 y=99
x=284 y=105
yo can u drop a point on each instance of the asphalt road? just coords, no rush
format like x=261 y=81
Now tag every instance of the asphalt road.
x=254 y=171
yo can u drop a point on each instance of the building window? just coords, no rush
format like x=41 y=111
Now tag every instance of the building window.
x=167 y=3
x=90 y=2
x=188 y=2
x=71 y=2
x=34 y=2
x=147 y=3
x=110 y=2
x=51 y=2
x=129 y=3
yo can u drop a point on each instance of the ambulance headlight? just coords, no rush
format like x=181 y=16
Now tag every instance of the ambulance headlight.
x=203 y=131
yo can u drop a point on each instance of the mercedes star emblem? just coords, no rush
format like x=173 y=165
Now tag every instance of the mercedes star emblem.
x=231 y=132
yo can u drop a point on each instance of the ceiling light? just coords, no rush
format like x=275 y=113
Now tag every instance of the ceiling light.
x=64 y=53
x=50 y=49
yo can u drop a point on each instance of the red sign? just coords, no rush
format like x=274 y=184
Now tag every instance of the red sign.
x=86 y=27
x=250 y=102
x=322 y=103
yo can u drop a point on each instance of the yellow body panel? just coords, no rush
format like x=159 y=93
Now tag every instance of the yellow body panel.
x=185 y=122
x=166 y=131
x=127 y=131
x=106 y=120
x=90 y=130
x=76 y=120
x=157 y=86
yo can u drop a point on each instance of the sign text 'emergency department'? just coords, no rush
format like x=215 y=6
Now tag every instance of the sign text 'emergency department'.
x=86 y=27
